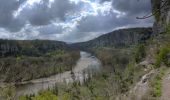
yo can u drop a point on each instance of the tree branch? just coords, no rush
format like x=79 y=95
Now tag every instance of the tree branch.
x=155 y=12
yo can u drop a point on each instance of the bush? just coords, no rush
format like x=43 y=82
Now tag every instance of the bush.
x=24 y=68
x=127 y=78
x=156 y=83
x=140 y=53
x=162 y=57
x=167 y=28
x=7 y=92
x=46 y=95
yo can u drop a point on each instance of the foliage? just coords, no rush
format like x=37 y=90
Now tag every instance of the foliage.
x=167 y=28
x=43 y=95
x=114 y=58
x=156 y=83
x=118 y=75
x=162 y=56
x=24 y=98
x=46 y=95
x=23 y=68
x=7 y=92
x=56 y=53
x=128 y=78
x=140 y=53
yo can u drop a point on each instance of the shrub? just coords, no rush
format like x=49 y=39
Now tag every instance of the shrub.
x=7 y=92
x=156 y=84
x=23 y=98
x=128 y=78
x=46 y=95
x=167 y=28
x=140 y=53
x=162 y=56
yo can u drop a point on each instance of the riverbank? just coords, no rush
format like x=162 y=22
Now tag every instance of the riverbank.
x=82 y=71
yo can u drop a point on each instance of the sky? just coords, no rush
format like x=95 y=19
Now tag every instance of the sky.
x=69 y=20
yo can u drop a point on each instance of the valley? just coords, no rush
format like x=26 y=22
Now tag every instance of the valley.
x=86 y=66
x=125 y=62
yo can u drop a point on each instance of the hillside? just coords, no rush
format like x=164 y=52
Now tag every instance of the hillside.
x=135 y=64
x=22 y=60
x=119 y=38
x=29 y=48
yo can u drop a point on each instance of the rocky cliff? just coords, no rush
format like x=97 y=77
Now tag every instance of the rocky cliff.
x=161 y=12
x=118 y=38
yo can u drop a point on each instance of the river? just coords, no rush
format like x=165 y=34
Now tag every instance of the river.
x=85 y=67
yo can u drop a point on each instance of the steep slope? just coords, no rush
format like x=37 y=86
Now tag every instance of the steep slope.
x=161 y=10
x=158 y=87
x=118 y=38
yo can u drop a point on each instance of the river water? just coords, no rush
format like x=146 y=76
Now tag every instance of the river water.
x=85 y=67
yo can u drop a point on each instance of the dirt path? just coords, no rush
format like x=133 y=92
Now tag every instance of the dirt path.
x=166 y=87
x=140 y=88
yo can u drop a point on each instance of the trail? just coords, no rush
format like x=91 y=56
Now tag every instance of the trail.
x=142 y=86
x=139 y=90
x=166 y=87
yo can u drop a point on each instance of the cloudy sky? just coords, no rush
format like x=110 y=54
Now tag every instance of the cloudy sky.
x=69 y=20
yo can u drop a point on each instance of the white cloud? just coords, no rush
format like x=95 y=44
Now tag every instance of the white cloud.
x=28 y=3
x=71 y=20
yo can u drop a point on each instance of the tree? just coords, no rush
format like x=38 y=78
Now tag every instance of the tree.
x=156 y=10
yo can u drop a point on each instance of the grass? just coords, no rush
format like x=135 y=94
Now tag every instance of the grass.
x=162 y=56
x=167 y=28
x=7 y=92
x=44 y=95
x=156 y=83
x=140 y=52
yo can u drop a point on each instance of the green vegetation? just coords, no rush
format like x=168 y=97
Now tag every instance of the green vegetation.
x=122 y=63
x=162 y=56
x=46 y=95
x=128 y=78
x=156 y=83
x=161 y=64
x=140 y=52
x=26 y=60
x=23 y=68
x=43 y=95
x=118 y=76
x=167 y=28
x=31 y=59
x=7 y=92
x=34 y=48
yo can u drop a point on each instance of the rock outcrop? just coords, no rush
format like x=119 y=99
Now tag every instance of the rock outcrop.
x=161 y=11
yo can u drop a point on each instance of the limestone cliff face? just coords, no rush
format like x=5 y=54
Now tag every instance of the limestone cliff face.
x=161 y=10
x=118 y=38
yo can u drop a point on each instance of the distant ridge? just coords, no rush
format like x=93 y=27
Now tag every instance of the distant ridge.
x=117 y=38
x=29 y=47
